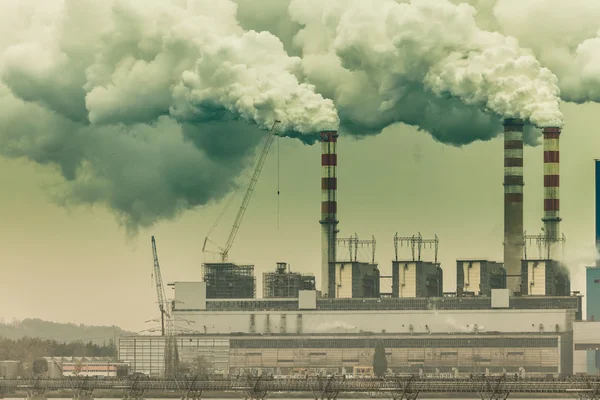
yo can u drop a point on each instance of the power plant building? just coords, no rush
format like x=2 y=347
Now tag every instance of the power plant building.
x=479 y=277
x=516 y=317
x=443 y=335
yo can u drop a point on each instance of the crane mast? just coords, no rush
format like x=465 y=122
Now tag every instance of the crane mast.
x=166 y=320
x=240 y=215
x=160 y=289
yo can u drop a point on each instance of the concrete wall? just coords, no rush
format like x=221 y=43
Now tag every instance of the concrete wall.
x=343 y=280
x=418 y=321
x=190 y=295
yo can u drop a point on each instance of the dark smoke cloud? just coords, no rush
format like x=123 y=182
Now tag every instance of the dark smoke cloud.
x=144 y=173
x=148 y=107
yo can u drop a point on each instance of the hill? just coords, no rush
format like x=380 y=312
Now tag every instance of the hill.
x=60 y=332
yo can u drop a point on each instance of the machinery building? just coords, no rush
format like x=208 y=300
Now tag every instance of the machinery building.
x=356 y=280
x=285 y=283
x=479 y=277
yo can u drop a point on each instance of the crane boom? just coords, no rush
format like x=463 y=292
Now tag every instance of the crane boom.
x=160 y=290
x=240 y=215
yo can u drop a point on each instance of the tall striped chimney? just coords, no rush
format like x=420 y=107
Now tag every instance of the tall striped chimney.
x=551 y=188
x=328 y=212
x=513 y=201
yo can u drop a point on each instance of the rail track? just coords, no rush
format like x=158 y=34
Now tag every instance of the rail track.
x=398 y=388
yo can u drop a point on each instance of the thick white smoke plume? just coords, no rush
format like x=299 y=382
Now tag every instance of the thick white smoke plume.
x=564 y=36
x=155 y=106
x=405 y=57
x=150 y=106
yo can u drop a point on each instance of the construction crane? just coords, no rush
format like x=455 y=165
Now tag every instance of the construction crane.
x=166 y=319
x=240 y=215
x=163 y=306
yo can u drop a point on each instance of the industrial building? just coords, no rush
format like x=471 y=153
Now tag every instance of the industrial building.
x=229 y=281
x=355 y=280
x=545 y=278
x=479 y=277
x=59 y=367
x=417 y=279
x=459 y=335
x=295 y=329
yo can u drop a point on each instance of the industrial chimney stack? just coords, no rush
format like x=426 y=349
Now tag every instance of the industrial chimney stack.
x=328 y=212
x=551 y=188
x=513 y=201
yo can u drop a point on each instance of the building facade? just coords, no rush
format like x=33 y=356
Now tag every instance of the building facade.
x=445 y=335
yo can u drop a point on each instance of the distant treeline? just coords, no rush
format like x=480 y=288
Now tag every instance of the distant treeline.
x=29 y=349
x=37 y=328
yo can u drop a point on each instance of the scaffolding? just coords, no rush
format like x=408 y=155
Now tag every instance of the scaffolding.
x=283 y=283
x=229 y=281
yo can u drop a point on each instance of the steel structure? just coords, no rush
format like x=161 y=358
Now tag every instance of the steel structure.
x=546 y=246
x=283 y=283
x=328 y=211
x=396 y=388
x=353 y=243
x=229 y=281
x=513 y=201
x=167 y=319
x=416 y=244
x=262 y=157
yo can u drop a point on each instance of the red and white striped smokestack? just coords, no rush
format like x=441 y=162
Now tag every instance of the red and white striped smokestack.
x=551 y=186
x=513 y=202
x=328 y=212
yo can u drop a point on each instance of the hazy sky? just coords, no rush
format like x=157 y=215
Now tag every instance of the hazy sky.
x=123 y=116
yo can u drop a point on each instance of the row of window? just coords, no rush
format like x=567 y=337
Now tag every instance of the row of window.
x=363 y=343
